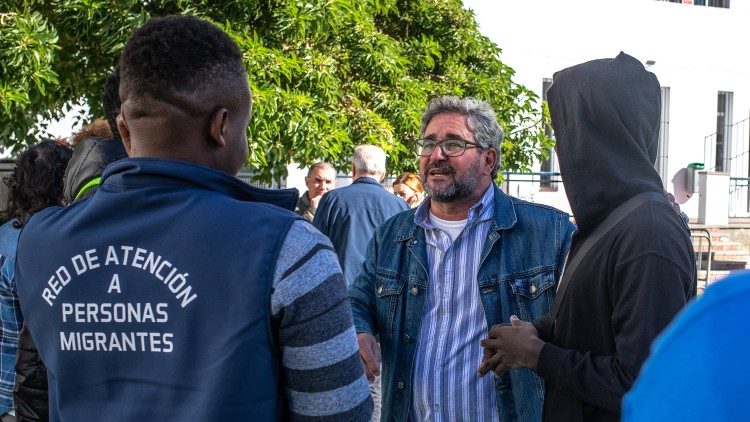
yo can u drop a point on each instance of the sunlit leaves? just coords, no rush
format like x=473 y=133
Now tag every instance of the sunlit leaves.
x=326 y=75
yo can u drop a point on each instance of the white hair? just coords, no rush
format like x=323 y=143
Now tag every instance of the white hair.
x=369 y=160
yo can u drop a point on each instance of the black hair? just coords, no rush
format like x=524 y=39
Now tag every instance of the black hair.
x=36 y=182
x=111 y=100
x=175 y=55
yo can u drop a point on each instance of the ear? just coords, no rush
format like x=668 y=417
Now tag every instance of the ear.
x=217 y=126
x=122 y=127
x=354 y=172
x=490 y=160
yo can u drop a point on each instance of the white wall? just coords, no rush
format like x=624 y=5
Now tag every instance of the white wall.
x=698 y=51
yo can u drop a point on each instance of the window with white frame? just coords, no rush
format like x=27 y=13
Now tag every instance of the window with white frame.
x=723 y=138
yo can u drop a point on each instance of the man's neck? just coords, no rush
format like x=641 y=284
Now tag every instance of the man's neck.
x=452 y=211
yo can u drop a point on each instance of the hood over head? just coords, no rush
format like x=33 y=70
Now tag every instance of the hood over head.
x=89 y=158
x=605 y=114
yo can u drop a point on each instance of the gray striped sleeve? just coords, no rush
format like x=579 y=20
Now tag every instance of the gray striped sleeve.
x=320 y=358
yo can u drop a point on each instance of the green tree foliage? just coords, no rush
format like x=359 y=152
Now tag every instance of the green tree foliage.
x=326 y=74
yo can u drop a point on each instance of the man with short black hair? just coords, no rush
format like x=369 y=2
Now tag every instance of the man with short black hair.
x=176 y=291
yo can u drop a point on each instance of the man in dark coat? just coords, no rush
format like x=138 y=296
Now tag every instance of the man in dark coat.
x=350 y=215
x=640 y=273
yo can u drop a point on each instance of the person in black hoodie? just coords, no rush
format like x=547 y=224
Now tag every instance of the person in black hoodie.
x=639 y=274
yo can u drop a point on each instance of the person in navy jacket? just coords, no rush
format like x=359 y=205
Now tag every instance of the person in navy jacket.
x=176 y=291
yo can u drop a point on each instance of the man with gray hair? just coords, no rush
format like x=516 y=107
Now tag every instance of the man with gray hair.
x=321 y=178
x=436 y=277
x=350 y=215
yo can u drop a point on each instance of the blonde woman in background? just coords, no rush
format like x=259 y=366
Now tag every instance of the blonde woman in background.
x=409 y=188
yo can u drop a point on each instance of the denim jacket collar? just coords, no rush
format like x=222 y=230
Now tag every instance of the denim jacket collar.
x=504 y=219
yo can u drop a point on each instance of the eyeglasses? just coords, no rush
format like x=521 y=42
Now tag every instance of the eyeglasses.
x=449 y=147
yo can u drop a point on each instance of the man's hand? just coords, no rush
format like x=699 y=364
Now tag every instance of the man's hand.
x=369 y=352
x=510 y=347
x=315 y=200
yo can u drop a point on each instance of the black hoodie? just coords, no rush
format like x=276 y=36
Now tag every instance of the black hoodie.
x=631 y=284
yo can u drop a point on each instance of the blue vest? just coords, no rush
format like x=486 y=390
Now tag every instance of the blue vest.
x=150 y=300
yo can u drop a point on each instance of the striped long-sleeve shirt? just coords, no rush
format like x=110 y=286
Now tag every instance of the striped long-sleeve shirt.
x=323 y=374
x=11 y=319
x=446 y=385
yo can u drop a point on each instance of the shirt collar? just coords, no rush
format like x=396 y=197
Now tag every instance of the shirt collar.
x=482 y=210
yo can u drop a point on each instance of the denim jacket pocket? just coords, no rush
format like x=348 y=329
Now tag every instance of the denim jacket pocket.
x=388 y=293
x=534 y=293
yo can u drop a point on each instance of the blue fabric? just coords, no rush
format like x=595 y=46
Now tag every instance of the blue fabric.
x=454 y=323
x=139 y=305
x=522 y=260
x=11 y=319
x=699 y=368
x=349 y=217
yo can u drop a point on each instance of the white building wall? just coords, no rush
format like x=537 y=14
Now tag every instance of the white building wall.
x=698 y=51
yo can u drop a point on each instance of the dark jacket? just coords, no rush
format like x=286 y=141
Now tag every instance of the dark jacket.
x=349 y=217
x=30 y=390
x=127 y=248
x=305 y=208
x=89 y=159
x=629 y=287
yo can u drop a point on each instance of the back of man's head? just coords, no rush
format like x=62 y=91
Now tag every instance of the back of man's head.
x=183 y=61
x=369 y=160
x=184 y=93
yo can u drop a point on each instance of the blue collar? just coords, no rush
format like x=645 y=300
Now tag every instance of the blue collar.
x=138 y=172
x=367 y=179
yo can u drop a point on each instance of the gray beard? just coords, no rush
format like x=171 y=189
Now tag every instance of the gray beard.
x=459 y=189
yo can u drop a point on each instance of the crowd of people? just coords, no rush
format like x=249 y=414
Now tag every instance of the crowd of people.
x=145 y=281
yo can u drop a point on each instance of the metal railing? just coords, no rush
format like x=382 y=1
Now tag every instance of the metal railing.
x=544 y=179
x=739 y=197
x=700 y=254
x=734 y=156
x=247 y=177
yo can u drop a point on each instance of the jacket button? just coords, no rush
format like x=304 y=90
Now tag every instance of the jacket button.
x=380 y=289
x=532 y=289
x=407 y=338
x=414 y=291
x=400 y=385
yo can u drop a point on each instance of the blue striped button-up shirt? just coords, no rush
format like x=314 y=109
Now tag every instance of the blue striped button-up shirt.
x=445 y=384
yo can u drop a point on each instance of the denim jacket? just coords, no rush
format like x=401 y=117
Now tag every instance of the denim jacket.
x=521 y=263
